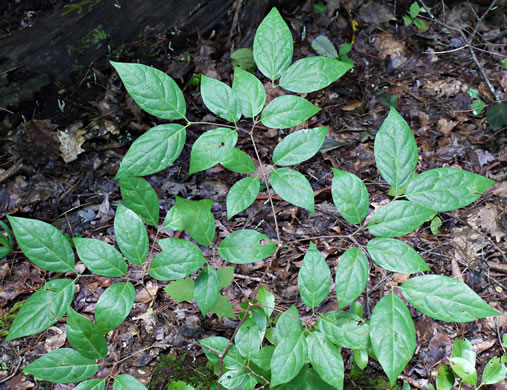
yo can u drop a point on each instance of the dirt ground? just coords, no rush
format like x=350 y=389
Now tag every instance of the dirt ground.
x=428 y=71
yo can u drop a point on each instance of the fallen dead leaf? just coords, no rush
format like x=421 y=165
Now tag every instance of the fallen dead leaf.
x=482 y=346
x=445 y=126
x=147 y=294
x=447 y=87
x=387 y=45
x=486 y=218
x=70 y=142
x=56 y=340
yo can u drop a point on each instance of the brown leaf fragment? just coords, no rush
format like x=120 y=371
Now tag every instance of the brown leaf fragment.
x=447 y=87
x=70 y=142
x=387 y=45
x=445 y=126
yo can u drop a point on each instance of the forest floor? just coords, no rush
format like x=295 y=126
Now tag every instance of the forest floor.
x=428 y=74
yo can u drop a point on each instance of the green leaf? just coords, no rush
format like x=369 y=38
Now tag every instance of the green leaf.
x=248 y=339
x=100 y=257
x=43 y=244
x=398 y=218
x=178 y=259
x=326 y=359
x=84 y=336
x=445 y=299
x=127 y=382
x=361 y=358
x=435 y=225
x=473 y=93
x=154 y=91
x=131 y=235
x=464 y=369
x=494 y=372
x=392 y=335
x=236 y=379
x=396 y=256
x=497 y=115
x=445 y=189
x=246 y=246
x=92 y=384
x=241 y=195
x=307 y=379
x=357 y=309
x=43 y=308
x=445 y=378
x=293 y=187
x=238 y=161
x=299 y=146
x=313 y=73
x=63 y=365
x=319 y=8
x=324 y=47
x=420 y=24
x=314 y=278
x=266 y=299
x=288 y=358
x=154 y=151
x=220 y=99
x=212 y=147
x=114 y=306
x=217 y=345
x=504 y=62
x=464 y=349
x=273 y=46
x=395 y=150
x=180 y=385
x=288 y=323
x=222 y=308
x=225 y=276
x=414 y=9
x=181 y=290
x=351 y=276
x=344 y=329
x=141 y=198
x=407 y=20
x=350 y=196
x=206 y=289
x=287 y=111
x=249 y=91
x=244 y=59
x=345 y=48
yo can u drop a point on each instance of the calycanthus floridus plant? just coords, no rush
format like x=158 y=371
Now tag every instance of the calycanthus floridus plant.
x=267 y=352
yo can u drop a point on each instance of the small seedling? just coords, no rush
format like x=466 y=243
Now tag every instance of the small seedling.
x=477 y=104
x=412 y=17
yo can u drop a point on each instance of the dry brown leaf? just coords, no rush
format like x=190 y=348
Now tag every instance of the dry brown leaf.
x=445 y=126
x=71 y=141
x=487 y=219
x=387 y=45
x=146 y=294
x=448 y=87
x=56 y=340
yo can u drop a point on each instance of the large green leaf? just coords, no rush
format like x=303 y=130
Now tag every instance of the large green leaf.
x=398 y=218
x=206 y=289
x=141 y=198
x=344 y=329
x=288 y=358
x=445 y=189
x=266 y=299
x=273 y=46
x=131 y=235
x=238 y=161
x=313 y=73
x=92 y=384
x=214 y=346
x=299 y=146
x=239 y=378
x=314 y=278
x=114 y=306
x=445 y=378
x=287 y=111
x=396 y=256
x=43 y=308
x=43 y=244
x=179 y=258
x=351 y=276
x=392 y=334
x=100 y=257
x=326 y=359
x=241 y=195
x=63 y=365
x=463 y=359
x=220 y=99
x=84 y=336
x=127 y=382
x=350 y=196
x=154 y=91
x=249 y=91
x=154 y=151
x=249 y=338
x=445 y=299
x=212 y=147
x=288 y=323
x=395 y=151
x=246 y=246
x=307 y=379
x=494 y=372
x=293 y=187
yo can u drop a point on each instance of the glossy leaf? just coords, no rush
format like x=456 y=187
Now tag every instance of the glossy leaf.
x=326 y=359
x=236 y=379
x=238 y=161
x=178 y=259
x=396 y=256
x=114 y=306
x=445 y=299
x=293 y=187
x=314 y=278
x=248 y=339
x=392 y=335
x=131 y=235
x=220 y=99
x=92 y=384
x=398 y=218
x=206 y=289
x=464 y=369
x=344 y=329
x=212 y=147
x=395 y=151
x=63 y=365
x=273 y=46
x=154 y=91
x=127 y=382
x=43 y=244
x=494 y=372
x=246 y=246
x=287 y=111
x=350 y=196
x=154 y=151
x=249 y=91
x=241 y=195
x=288 y=323
x=445 y=378
x=84 y=336
x=299 y=146
x=351 y=276
x=313 y=73
x=267 y=299
x=215 y=346
x=43 y=308
x=361 y=358
x=445 y=189
x=141 y=198
x=100 y=258
x=288 y=358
